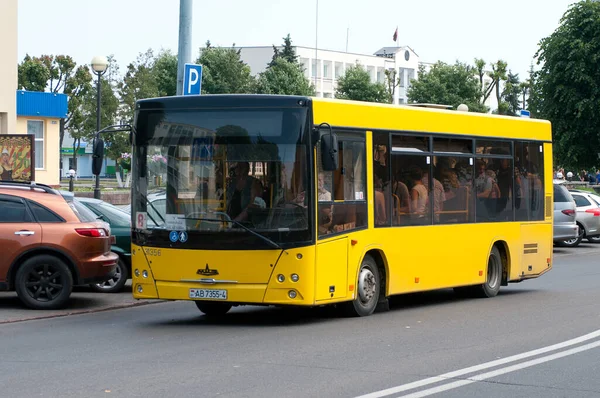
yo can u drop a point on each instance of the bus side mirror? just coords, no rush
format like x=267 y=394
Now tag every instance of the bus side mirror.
x=330 y=156
x=97 y=156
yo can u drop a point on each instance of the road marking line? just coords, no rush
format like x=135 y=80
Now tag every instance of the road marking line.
x=501 y=371
x=483 y=366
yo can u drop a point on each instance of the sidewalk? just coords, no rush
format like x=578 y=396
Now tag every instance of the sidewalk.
x=83 y=301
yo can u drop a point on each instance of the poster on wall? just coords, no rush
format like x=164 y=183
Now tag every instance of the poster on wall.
x=17 y=157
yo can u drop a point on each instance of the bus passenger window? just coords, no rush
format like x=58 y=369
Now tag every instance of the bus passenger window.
x=348 y=189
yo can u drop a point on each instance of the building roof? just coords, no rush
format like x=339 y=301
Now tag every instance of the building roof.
x=41 y=104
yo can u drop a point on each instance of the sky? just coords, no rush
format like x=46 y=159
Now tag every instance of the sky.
x=438 y=30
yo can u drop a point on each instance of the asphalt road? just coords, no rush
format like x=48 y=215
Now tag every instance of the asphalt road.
x=428 y=344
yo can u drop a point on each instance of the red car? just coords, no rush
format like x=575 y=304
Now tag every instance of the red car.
x=49 y=245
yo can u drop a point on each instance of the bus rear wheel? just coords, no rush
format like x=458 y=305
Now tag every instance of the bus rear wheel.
x=491 y=286
x=368 y=289
x=213 y=309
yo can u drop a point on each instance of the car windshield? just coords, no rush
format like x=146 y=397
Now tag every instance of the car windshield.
x=224 y=172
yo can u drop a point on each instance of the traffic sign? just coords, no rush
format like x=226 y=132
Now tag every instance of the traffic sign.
x=525 y=113
x=192 y=79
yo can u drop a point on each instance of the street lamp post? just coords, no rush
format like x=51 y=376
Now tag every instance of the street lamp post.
x=99 y=66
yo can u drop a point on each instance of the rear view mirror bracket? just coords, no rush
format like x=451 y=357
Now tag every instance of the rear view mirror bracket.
x=98 y=147
x=329 y=147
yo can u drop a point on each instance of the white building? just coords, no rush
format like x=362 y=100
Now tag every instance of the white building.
x=325 y=67
x=331 y=65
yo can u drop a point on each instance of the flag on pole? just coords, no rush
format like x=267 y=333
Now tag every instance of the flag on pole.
x=396 y=34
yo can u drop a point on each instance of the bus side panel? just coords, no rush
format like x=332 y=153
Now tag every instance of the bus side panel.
x=536 y=253
x=442 y=256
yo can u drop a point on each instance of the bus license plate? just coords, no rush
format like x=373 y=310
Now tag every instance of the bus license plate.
x=212 y=294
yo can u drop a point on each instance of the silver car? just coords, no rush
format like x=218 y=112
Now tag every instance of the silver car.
x=565 y=226
x=587 y=217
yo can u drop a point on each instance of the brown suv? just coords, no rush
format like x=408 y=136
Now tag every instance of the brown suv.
x=49 y=245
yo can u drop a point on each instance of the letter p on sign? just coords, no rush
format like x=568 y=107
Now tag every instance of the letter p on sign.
x=192 y=79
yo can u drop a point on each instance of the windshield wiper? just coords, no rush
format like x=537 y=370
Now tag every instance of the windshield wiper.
x=153 y=208
x=269 y=241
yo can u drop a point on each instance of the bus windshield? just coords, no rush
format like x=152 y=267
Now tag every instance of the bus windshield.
x=232 y=174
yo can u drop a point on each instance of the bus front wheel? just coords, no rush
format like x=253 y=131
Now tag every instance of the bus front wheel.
x=491 y=286
x=368 y=289
x=213 y=309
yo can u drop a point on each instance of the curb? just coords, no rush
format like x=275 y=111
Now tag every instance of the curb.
x=82 y=312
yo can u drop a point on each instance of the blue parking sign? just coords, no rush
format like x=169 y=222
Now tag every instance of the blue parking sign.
x=192 y=79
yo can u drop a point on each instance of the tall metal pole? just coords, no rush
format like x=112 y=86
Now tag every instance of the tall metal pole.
x=316 y=43
x=97 y=186
x=184 y=54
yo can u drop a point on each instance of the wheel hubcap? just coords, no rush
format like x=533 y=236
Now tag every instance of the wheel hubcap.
x=44 y=282
x=367 y=286
x=493 y=274
x=112 y=281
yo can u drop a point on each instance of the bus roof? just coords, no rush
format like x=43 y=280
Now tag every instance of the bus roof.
x=222 y=101
x=387 y=117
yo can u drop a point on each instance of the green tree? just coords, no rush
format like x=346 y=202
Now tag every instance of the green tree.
x=287 y=52
x=356 y=85
x=165 y=73
x=448 y=85
x=284 y=77
x=511 y=94
x=392 y=81
x=567 y=86
x=498 y=75
x=57 y=74
x=224 y=72
x=139 y=82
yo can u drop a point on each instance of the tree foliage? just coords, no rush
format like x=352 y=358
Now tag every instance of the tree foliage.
x=284 y=77
x=287 y=53
x=566 y=89
x=448 y=85
x=223 y=71
x=356 y=85
x=57 y=74
x=511 y=95
x=284 y=74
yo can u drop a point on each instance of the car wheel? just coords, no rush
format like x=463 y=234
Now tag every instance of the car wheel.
x=491 y=286
x=211 y=308
x=44 y=282
x=116 y=283
x=368 y=289
x=594 y=239
x=575 y=241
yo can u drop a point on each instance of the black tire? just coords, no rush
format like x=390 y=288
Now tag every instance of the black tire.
x=211 y=308
x=368 y=290
x=117 y=283
x=594 y=239
x=493 y=281
x=44 y=282
x=576 y=241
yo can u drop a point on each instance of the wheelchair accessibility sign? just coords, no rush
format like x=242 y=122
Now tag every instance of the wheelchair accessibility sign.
x=175 y=236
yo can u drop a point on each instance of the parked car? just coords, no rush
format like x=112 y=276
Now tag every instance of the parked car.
x=49 y=245
x=565 y=226
x=587 y=217
x=120 y=224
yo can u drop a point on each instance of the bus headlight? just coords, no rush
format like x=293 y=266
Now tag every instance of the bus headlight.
x=292 y=294
x=295 y=277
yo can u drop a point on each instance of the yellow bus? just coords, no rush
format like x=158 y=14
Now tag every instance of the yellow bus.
x=298 y=201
